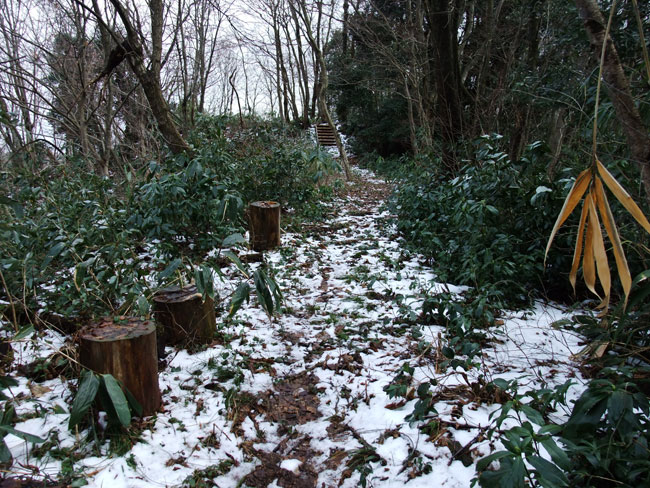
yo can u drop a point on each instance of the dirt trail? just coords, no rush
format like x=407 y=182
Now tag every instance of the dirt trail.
x=302 y=400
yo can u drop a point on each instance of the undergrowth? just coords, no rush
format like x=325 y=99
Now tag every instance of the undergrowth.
x=487 y=228
x=74 y=243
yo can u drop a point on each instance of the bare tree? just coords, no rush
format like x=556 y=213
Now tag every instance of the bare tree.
x=144 y=53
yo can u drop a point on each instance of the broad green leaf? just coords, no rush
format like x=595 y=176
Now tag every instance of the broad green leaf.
x=511 y=474
x=7 y=381
x=516 y=474
x=587 y=411
x=133 y=403
x=18 y=209
x=8 y=415
x=642 y=293
x=263 y=293
x=23 y=435
x=242 y=293
x=549 y=476
x=558 y=455
x=142 y=305
x=88 y=387
x=204 y=282
x=54 y=251
x=275 y=289
x=118 y=399
x=485 y=462
x=623 y=196
x=618 y=404
x=532 y=414
x=24 y=332
x=169 y=270
x=644 y=275
x=5 y=453
x=573 y=198
x=233 y=257
x=233 y=239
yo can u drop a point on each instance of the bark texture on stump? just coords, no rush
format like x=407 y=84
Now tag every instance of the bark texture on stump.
x=127 y=350
x=264 y=219
x=184 y=317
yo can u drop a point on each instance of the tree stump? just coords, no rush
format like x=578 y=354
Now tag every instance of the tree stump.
x=264 y=219
x=184 y=318
x=127 y=350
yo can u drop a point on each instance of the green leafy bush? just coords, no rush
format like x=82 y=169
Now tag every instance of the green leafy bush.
x=488 y=226
x=603 y=443
x=608 y=433
x=264 y=159
x=478 y=227
x=183 y=199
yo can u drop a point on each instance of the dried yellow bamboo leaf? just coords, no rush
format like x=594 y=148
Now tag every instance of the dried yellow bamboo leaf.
x=600 y=255
x=623 y=196
x=577 y=252
x=588 y=264
x=573 y=198
x=614 y=237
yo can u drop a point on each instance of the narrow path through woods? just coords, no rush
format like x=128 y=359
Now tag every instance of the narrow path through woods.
x=300 y=401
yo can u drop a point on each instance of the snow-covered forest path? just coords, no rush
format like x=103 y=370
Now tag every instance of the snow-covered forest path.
x=300 y=401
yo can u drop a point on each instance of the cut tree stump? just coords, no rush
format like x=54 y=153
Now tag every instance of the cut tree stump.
x=127 y=350
x=184 y=318
x=264 y=218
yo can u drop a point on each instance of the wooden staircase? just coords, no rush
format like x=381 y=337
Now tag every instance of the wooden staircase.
x=325 y=135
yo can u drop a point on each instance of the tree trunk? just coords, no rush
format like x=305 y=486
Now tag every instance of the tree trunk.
x=618 y=88
x=126 y=350
x=264 y=219
x=184 y=317
x=324 y=81
x=149 y=77
x=443 y=46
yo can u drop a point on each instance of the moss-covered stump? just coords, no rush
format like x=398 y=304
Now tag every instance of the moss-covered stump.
x=184 y=318
x=127 y=350
x=264 y=219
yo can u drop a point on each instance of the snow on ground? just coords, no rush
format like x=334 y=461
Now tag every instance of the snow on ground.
x=300 y=400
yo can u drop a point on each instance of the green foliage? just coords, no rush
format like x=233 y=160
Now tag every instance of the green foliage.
x=463 y=320
x=203 y=478
x=78 y=244
x=184 y=199
x=608 y=432
x=361 y=460
x=114 y=400
x=65 y=248
x=525 y=460
x=605 y=439
x=7 y=419
x=626 y=331
x=399 y=386
x=488 y=226
x=484 y=227
x=264 y=160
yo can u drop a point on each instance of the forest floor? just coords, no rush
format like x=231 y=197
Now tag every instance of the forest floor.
x=300 y=400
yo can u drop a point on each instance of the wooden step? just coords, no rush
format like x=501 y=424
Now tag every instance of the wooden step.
x=325 y=135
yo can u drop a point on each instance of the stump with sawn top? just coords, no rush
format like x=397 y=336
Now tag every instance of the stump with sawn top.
x=126 y=349
x=264 y=219
x=184 y=318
